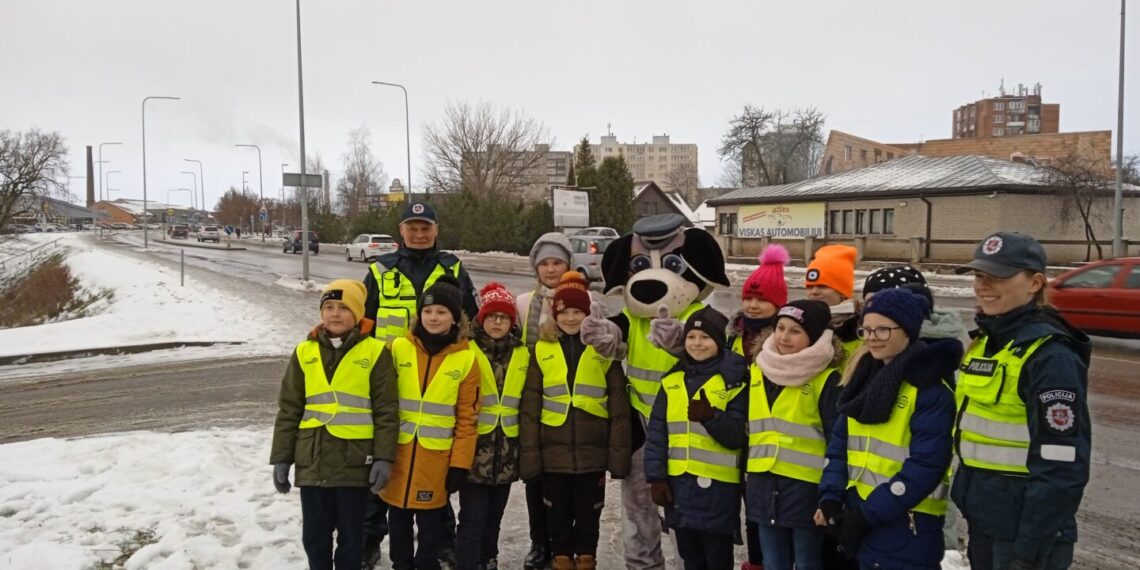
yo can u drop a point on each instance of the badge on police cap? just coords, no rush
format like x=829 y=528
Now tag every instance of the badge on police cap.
x=992 y=245
x=417 y=208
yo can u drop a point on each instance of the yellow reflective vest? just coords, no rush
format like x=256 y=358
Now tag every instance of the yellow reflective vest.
x=428 y=416
x=691 y=449
x=646 y=364
x=876 y=452
x=992 y=430
x=501 y=409
x=344 y=405
x=786 y=437
x=397 y=298
x=589 y=393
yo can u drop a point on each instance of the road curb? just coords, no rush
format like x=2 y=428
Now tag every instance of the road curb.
x=200 y=245
x=103 y=351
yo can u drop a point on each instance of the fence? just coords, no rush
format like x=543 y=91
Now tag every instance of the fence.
x=15 y=266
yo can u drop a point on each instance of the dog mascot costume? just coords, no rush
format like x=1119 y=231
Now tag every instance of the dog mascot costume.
x=664 y=270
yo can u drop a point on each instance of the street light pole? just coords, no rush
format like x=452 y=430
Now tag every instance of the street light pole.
x=1118 y=196
x=202 y=182
x=304 y=189
x=195 y=181
x=101 y=145
x=407 y=131
x=260 y=183
x=146 y=214
x=193 y=203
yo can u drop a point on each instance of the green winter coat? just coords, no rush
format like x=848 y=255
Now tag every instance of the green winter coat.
x=322 y=459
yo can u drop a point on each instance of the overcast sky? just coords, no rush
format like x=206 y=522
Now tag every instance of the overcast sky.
x=887 y=70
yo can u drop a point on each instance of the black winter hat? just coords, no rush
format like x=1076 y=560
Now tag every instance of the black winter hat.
x=903 y=276
x=814 y=316
x=709 y=321
x=445 y=291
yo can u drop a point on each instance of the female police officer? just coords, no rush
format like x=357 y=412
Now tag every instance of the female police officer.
x=1023 y=433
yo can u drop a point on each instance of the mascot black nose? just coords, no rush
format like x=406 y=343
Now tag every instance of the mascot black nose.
x=648 y=291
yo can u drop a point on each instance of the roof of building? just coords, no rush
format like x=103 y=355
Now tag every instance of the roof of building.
x=62 y=208
x=674 y=197
x=135 y=207
x=706 y=214
x=908 y=175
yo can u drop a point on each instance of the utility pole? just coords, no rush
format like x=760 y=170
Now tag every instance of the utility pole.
x=304 y=190
x=1118 y=196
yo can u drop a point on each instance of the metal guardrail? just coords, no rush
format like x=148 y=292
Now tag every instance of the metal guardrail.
x=16 y=265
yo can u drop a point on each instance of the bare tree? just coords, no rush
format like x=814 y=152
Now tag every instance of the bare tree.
x=774 y=146
x=484 y=149
x=1085 y=188
x=730 y=174
x=29 y=165
x=235 y=207
x=683 y=180
x=363 y=178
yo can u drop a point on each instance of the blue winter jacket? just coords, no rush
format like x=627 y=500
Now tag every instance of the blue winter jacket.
x=717 y=508
x=891 y=542
x=1036 y=510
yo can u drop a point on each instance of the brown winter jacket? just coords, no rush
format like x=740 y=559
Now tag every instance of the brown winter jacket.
x=322 y=459
x=585 y=443
x=419 y=474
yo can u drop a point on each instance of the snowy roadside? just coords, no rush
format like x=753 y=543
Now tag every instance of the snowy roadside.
x=147 y=306
x=206 y=495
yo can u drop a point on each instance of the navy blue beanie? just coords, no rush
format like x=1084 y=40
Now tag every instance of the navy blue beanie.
x=901 y=305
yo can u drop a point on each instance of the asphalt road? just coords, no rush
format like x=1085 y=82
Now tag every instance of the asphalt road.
x=175 y=397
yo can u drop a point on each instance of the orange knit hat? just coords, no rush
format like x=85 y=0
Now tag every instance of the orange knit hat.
x=833 y=266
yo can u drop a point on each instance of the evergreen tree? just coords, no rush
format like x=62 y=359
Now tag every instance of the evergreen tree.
x=584 y=165
x=612 y=203
x=571 y=180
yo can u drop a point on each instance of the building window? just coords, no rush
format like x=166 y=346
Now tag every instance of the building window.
x=727 y=225
x=848 y=221
x=999 y=106
x=863 y=155
x=878 y=156
x=847 y=152
x=875 y=218
x=890 y=156
x=889 y=221
x=999 y=118
x=1017 y=105
x=999 y=132
x=1034 y=125
x=860 y=222
x=835 y=222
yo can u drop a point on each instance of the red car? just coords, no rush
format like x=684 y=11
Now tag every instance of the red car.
x=1102 y=297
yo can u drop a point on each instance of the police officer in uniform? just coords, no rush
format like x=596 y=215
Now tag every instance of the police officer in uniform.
x=1023 y=434
x=393 y=283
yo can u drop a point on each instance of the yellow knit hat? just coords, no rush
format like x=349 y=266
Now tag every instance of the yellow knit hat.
x=348 y=291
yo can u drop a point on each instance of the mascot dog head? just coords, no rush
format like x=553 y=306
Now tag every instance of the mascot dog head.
x=663 y=263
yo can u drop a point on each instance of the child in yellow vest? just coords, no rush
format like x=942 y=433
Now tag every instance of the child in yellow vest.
x=695 y=432
x=437 y=381
x=575 y=426
x=337 y=424
x=503 y=361
x=792 y=396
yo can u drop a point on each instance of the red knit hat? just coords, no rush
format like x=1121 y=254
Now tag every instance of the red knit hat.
x=572 y=291
x=833 y=266
x=767 y=281
x=494 y=298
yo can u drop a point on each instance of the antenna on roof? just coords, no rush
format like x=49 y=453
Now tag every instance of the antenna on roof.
x=609 y=130
x=1001 y=88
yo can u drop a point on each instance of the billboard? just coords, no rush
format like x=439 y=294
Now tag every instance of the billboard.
x=571 y=208
x=782 y=220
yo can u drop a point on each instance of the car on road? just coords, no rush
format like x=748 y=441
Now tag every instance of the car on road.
x=366 y=247
x=1101 y=298
x=292 y=243
x=209 y=233
x=601 y=231
x=179 y=231
x=586 y=254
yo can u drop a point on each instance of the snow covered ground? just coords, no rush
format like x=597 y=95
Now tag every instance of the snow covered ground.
x=206 y=495
x=148 y=305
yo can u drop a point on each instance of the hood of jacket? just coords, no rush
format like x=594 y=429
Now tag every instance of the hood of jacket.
x=552 y=238
x=944 y=323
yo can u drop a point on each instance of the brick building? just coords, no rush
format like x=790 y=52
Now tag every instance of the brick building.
x=1007 y=115
x=912 y=208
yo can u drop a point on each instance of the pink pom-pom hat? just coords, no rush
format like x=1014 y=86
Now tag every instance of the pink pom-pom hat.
x=767 y=281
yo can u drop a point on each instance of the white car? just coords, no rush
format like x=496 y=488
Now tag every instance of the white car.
x=370 y=246
x=209 y=233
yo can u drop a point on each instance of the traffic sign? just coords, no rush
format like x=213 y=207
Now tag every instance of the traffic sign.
x=293 y=180
x=229 y=230
x=264 y=215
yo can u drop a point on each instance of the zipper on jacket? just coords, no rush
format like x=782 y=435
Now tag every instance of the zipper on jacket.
x=416 y=440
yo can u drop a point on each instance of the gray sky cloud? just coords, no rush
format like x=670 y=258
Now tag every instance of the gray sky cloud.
x=887 y=70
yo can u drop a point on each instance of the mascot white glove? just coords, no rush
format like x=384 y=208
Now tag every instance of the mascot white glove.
x=667 y=333
x=602 y=334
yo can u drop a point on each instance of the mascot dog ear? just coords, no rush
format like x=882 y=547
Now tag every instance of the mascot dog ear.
x=615 y=263
x=702 y=253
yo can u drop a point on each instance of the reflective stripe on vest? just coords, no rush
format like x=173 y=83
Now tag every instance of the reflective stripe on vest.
x=504 y=411
x=992 y=430
x=428 y=417
x=786 y=437
x=691 y=449
x=397 y=298
x=589 y=383
x=533 y=319
x=876 y=453
x=343 y=406
x=646 y=364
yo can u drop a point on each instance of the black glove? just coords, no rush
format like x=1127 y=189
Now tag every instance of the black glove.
x=455 y=479
x=831 y=511
x=281 y=477
x=661 y=494
x=853 y=528
x=700 y=410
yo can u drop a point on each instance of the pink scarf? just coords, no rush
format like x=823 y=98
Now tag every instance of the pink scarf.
x=795 y=369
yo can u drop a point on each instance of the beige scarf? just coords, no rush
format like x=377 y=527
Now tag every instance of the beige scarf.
x=795 y=369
